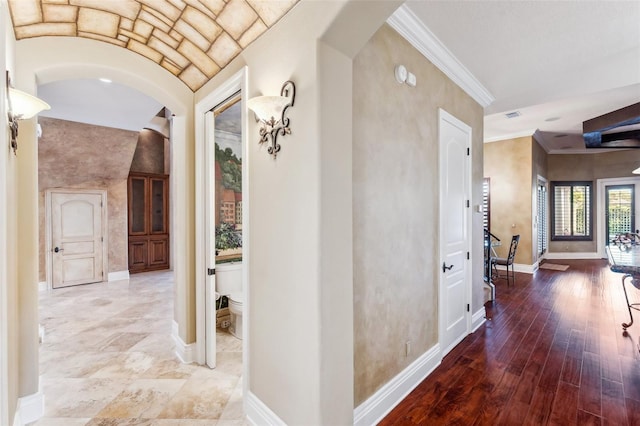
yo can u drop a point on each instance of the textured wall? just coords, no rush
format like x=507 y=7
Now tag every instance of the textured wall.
x=149 y=155
x=395 y=208
x=509 y=165
x=589 y=167
x=76 y=155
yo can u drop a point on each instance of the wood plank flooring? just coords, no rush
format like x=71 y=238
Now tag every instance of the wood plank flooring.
x=552 y=352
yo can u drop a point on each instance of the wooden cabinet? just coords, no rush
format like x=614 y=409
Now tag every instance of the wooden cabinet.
x=148 y=205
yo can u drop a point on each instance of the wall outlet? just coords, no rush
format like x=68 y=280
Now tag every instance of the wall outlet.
x=407 y=348
x=225 y=324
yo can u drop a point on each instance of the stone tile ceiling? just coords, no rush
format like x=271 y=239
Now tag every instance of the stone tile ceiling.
x=193 y=39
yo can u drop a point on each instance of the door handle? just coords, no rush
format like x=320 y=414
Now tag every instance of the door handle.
x=446 y=268
x=58 y=249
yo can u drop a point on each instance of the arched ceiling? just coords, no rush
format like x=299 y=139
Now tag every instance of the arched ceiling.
x=192 y=39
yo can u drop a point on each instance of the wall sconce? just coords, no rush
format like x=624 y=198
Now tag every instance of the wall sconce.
x=271 y=110
x=20 y=106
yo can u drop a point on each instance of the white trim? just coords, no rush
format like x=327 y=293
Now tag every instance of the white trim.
x=237 y=82
x=378 y=405
x=409 y=26
x=601 y=199
x=521 y=267
x=535 y=224
x=478 y=318
x=573 y=255
x=185 y=352
x=118 y=275
x=522 y=134
x=30 y=408
x=259 y=414
x=43 y=286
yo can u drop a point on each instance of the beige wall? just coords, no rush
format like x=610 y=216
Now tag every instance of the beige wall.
x=509 y=165
x=149 y=156
x=395 y=209
x=10 y=340
x=589 y=167
x=300 y=213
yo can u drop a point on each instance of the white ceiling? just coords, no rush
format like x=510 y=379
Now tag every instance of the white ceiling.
x=95 y=102
x=568 y=61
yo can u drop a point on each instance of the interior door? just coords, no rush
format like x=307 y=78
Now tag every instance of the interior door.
x=76 y=237
x=620 y=210
x=210 y=241
x=455 y=289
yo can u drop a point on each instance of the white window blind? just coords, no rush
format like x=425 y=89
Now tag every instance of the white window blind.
x=571 y=210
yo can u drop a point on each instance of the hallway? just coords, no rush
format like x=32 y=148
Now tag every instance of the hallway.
x=107 y=359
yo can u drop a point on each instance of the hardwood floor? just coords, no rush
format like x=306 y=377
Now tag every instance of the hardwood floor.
x=551 y=352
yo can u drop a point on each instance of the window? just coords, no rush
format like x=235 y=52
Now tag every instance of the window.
x=572 y=204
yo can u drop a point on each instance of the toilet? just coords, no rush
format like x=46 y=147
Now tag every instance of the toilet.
x=235 y=308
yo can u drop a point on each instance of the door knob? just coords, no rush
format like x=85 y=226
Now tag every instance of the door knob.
x=446 y=268
x=58 y=249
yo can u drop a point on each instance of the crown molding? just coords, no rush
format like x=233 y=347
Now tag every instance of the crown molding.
x=407 y=24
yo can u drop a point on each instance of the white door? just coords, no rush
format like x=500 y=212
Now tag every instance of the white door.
x=210 y=240
x=76 y=238
x=454 y=268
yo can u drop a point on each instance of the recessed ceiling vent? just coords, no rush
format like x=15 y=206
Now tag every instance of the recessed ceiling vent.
x=513 y=114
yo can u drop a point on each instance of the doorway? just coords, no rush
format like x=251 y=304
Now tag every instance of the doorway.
x=206 y=188
x=619 y=210
x=455 y=230
x=542 y=220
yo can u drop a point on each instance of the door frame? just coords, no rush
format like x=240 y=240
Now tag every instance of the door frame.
x=535 y=224
x=442 y=117
x=600 y=204
x=237 y=82
x=49 y=230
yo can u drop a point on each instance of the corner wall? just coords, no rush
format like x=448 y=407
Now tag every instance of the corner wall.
x=508 y=164
x=395 y=206
x=83 y=156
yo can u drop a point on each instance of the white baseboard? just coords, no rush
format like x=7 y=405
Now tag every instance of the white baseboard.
x=521 y=267
x=185 y=352
x=30 y=408
x=573 y=255
x=478 y=318
x=386 y=398
x=118 y=275
x=42 y=286
x=259 y=414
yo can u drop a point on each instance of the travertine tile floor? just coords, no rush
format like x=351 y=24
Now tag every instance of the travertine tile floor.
x=107 y=359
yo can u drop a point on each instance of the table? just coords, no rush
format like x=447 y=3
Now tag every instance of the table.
x=625 y=259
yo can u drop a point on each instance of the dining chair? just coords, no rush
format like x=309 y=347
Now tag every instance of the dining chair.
x=507 y=261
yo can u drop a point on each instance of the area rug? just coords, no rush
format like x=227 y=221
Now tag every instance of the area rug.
x=554 y=266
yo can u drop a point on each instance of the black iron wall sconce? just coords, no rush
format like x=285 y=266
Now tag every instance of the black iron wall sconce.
x=20 y=106
x=271 y=111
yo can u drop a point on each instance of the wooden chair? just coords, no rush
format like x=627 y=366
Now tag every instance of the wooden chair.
x=508 y=261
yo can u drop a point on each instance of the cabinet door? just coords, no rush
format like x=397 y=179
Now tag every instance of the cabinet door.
x=138 y=254
x=158 y=205
x=158 y=252
x=138 y=205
